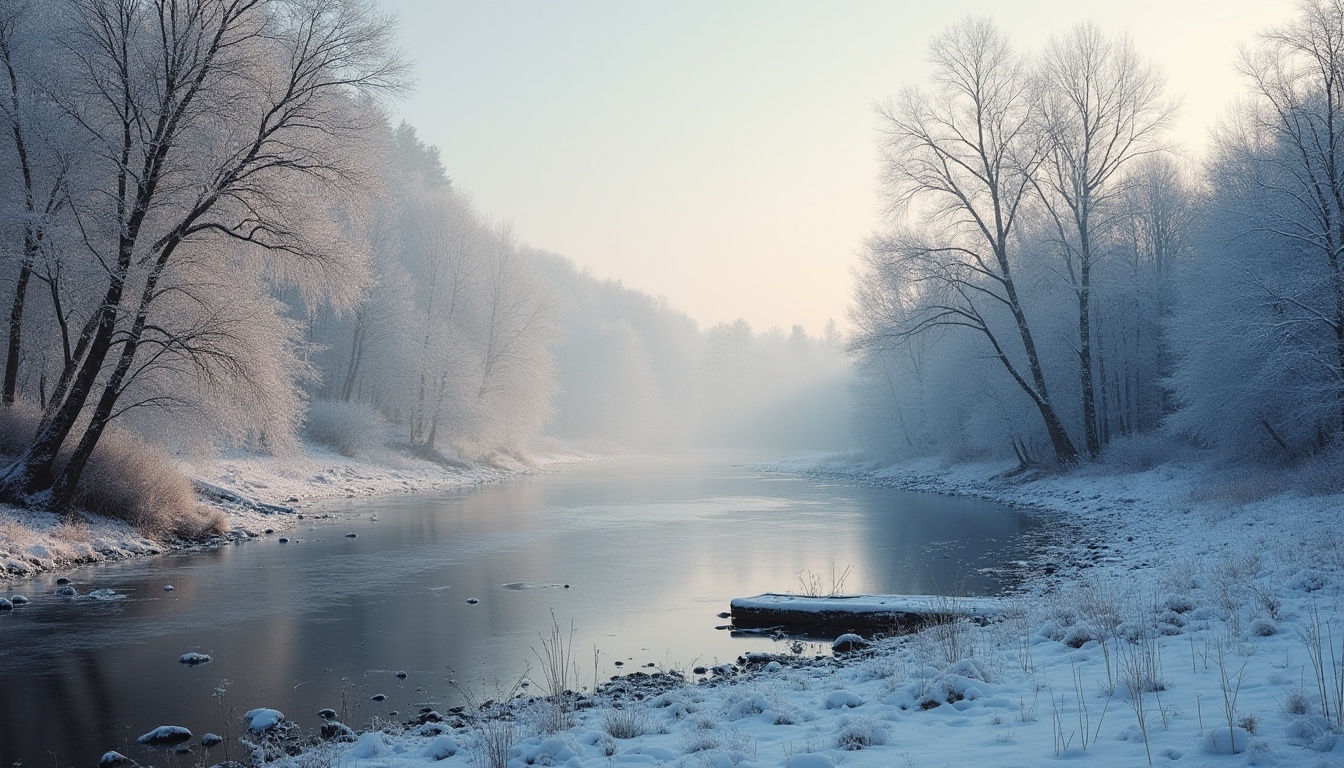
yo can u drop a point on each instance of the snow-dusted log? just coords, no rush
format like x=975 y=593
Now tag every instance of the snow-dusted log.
x=211 y=490
x=842 y=613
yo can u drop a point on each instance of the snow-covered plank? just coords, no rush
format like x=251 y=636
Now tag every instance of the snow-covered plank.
x=856 y=612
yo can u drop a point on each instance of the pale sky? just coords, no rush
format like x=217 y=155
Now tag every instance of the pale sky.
x=721 y=153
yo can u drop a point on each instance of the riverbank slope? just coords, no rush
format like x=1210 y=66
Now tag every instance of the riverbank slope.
x=303 y=481
x=1200 y=623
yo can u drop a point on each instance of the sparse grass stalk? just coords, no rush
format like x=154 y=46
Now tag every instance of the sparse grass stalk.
x=1230 y=682
x=1319 y=639
x=558 y=669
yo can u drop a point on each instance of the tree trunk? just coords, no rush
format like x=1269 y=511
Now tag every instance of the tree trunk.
x=16 y=332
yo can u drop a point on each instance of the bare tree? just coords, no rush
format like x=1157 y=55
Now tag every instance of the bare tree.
x=41 y=168
x=213 y=118
x=962 y=157
x=1102 y=108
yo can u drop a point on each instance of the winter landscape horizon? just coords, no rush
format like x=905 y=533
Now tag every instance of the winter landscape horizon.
x=397 y=383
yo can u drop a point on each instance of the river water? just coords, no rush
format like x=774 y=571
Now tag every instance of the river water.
x=639 y=556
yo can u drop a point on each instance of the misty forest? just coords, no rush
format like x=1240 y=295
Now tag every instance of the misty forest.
x=221 y=246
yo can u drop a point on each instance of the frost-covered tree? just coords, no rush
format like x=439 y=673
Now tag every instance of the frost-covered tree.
x=218 y=129
x=1101 y=108
x=961 y=158
x=1261 y=334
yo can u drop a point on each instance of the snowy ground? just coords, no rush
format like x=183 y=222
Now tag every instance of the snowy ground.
x=32 y=542
x=1198 y=624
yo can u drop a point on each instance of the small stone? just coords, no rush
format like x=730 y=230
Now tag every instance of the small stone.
x=352 y=535
x=62 y=581
x=19 y=600
x=327 y=714
x=66 y=591
x=401 y=675
x=379 y=697
x=165 y=736
x=725 y=615
x=168 y=587
x=700 y=671
x=194 y=659
x=183 y=751
x=211 y=740
x=263 y=719
x=6 y=604
x=472 y=601
x=269 y=530
x=284 y=540
x=620 y=663
x=111 y=760
x=566 y=586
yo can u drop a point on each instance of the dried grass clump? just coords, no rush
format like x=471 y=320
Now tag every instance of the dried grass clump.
x=129 y=479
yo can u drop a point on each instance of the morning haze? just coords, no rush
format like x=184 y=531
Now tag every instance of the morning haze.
x=722 y=154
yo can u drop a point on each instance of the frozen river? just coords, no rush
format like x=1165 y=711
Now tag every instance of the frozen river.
x=640 y=556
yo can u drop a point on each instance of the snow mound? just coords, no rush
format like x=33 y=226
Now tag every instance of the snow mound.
x=841 y=699
x=106 y=594
x=441 y=748
x=370 y=745
x=194 y=659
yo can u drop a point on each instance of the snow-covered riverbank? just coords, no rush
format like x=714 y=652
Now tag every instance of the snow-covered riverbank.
x=306 y=481
x=1210 y=625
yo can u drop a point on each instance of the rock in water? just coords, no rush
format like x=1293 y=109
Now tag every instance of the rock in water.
x=401 y=675
x=848 y=642
x=194 y=659
x=472 y=601
x=211 y=740
x=351 y=535
x=111 y=760
x=379 y=697
x=263 y=719
x=327 y=714
x=165 y=736
x=284 y=540
x=19 y=600
x=168 y=587
x=6 y=604
x=66 y=591
x=62 y=581
x=106 y=594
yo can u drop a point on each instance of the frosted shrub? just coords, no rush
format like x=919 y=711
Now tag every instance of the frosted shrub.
x=858 y=732
x=625 y=723
x=350 y=429
x=129 y=479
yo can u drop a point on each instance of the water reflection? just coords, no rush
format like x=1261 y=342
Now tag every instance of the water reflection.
x=650 y=552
